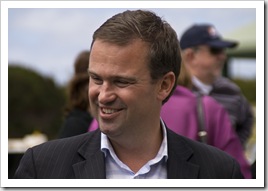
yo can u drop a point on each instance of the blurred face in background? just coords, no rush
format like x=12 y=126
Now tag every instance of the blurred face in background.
x=207 y=63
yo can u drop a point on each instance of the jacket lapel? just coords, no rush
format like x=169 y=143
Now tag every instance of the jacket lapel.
x=92 y=165
x=178 y=165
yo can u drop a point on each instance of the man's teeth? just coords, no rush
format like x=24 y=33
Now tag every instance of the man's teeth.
x=108 y=111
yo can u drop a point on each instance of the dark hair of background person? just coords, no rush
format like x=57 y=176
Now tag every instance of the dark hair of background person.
x=77 y=88
x=77 y=116
x=163 y=52
x=81 y=63
x=77 y=94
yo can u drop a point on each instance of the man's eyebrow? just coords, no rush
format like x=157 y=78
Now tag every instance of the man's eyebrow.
x=91 y=73
x=116 y=77
x=127 y=78
x=88 y=71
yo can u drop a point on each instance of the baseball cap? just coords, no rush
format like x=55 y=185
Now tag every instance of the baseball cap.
x=204 y=34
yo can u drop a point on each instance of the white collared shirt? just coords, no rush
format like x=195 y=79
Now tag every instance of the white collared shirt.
x=153 y=169
x=204 y=88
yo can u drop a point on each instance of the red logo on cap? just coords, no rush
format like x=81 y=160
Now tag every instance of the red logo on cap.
x=212 y=32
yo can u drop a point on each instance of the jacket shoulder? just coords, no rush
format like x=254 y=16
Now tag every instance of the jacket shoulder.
x=211 y=161
x=225 y=86
x=55 y=158
x=68 y=142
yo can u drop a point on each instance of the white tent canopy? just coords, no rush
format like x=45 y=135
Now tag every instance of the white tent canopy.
x=246 y=36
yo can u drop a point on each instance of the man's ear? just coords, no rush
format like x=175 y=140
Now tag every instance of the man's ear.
x=188 y=55
x=166 y=85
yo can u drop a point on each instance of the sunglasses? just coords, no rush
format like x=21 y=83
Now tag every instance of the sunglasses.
x=216 y=51
x=212 y=50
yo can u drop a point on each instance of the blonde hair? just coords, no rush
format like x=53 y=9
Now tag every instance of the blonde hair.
x=184 y=77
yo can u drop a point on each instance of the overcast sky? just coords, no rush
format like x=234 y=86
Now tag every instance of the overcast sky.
x=49 y=39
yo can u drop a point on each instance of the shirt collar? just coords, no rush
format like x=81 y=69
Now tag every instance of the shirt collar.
x=163 y=151
x=204 y=88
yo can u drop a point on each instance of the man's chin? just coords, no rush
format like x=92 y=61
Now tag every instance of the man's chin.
x=106 y=129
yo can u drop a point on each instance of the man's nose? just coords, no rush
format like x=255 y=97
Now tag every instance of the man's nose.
x=222 y=56
x=106 y=94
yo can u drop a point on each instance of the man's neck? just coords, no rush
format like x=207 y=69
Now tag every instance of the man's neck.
x=136 y=155
x=204 y=88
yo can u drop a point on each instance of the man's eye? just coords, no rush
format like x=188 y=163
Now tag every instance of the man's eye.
x=96 y=80
x=122 y=83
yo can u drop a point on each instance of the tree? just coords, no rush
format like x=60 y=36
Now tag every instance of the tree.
x=35 y=103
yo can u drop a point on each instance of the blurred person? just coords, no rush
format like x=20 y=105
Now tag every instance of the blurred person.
x=133 y=67
x=203 y=51
x=77 y=114
x=181 y=115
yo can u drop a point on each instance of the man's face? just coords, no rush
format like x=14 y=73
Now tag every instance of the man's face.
x=122 y=96
x=208 y=62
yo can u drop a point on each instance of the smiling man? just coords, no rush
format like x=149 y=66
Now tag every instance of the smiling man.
x=134 y=63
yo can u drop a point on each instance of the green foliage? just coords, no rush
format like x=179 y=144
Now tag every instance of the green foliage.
x=35 y=103
x=248 y=87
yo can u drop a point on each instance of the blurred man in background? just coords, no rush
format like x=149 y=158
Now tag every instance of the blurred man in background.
x=203 y=51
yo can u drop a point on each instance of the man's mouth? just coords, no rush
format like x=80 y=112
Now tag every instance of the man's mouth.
x=109 y=110
x=109 y=113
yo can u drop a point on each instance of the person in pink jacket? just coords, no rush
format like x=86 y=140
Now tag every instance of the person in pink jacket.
x=180 y=115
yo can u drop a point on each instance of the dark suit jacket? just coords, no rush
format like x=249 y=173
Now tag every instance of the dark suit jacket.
x=80 y=157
